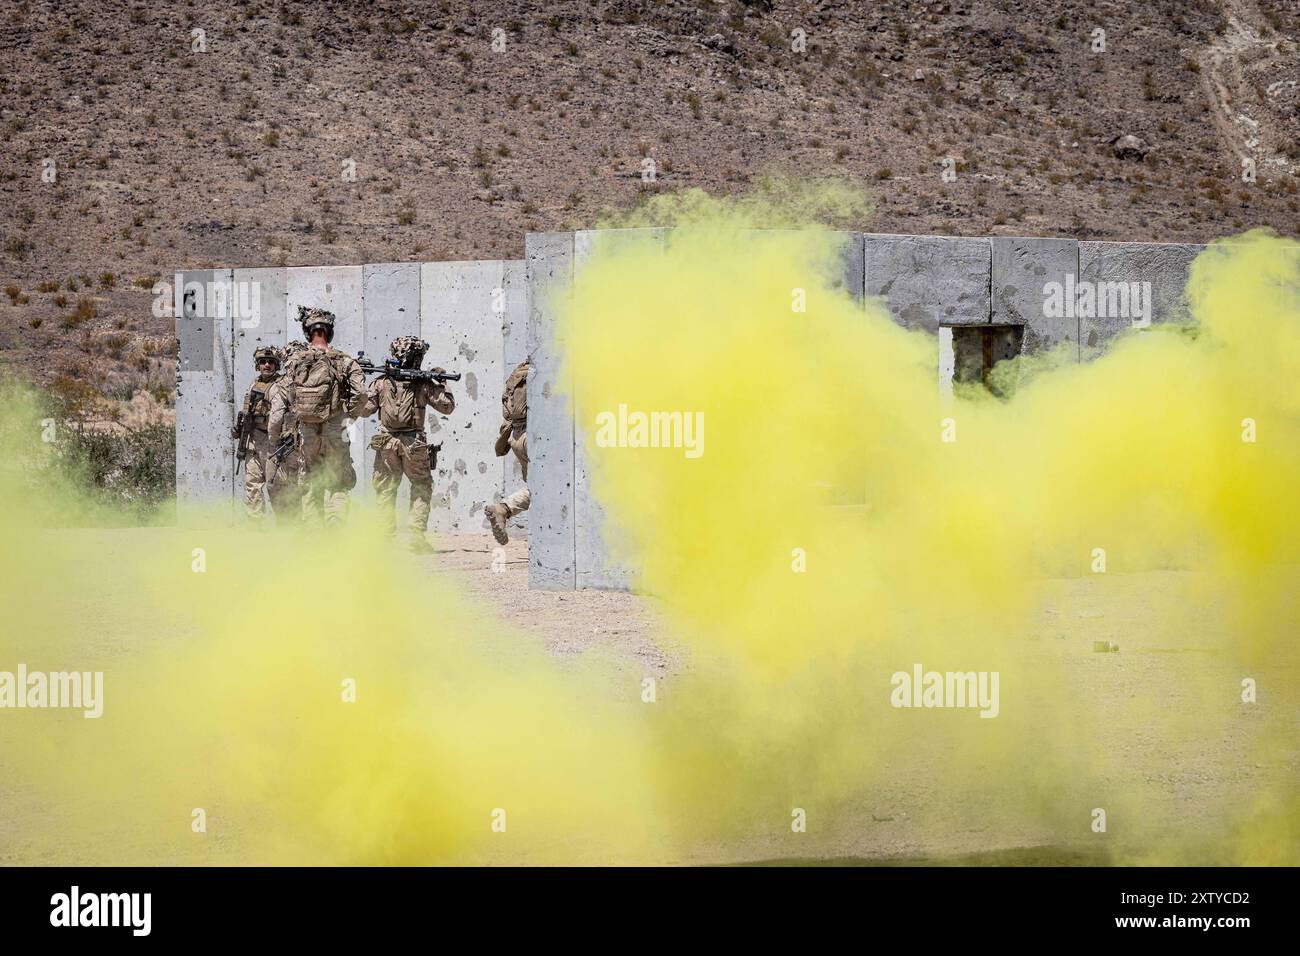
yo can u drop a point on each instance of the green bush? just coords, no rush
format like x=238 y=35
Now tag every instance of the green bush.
x=130 y=470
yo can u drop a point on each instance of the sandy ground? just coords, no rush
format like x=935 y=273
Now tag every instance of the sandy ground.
x=566 y=622
x=1188 y=781
x=1187 y=784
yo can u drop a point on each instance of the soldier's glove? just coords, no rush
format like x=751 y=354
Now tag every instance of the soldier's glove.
x=503 y=440
x=234 y=432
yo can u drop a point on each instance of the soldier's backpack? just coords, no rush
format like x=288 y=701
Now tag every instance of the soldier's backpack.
x=398 y=411
x=317 y=387
x=514 y=397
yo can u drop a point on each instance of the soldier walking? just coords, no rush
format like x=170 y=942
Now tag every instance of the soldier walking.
x=260 y=479
x=402 y=448
x=325 y=387
x=282 y=476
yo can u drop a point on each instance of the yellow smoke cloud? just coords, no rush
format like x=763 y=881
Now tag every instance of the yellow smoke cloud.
x=826 y=539
x=228 y=658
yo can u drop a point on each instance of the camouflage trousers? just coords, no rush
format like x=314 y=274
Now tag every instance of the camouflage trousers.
x=398 y=454
x=327 y=473
x=281 y=487
x=519 y=500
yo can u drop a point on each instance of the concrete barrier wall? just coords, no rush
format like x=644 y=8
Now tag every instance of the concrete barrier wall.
x=483 y=318
x=461 y=317
x=205 y=456
x=568 y=541
x=929 y=281
x=594 y=566
x=473 y=314
x=1164 y=266
x=548 y=257
x=935 y=283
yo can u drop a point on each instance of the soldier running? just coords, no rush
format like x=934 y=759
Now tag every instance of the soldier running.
x=513 y=437
x=402 y=447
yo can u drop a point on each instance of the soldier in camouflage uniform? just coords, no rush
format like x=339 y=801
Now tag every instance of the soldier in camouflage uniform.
x=402 y=447
x=282 y=476
x=258 y=476
x=325 y=387
x=512 y=437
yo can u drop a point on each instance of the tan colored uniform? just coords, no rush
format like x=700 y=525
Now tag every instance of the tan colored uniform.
x=402 y=448
x=325 y=462
x=514 y=433
x=259 y=475
x=286 y=496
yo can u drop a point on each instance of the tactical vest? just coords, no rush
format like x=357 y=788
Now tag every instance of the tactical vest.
x=514 y=397
x=317 y=386
x=257 y=403
x=399 y=406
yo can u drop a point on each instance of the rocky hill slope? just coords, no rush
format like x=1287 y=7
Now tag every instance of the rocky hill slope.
x=142 y=138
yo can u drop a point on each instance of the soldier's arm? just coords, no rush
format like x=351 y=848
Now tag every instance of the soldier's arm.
x=360 y=406
x=370 y=402
x=279 y=397
x=437 y=397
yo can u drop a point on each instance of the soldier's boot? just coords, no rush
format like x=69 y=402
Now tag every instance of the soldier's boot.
x=498 y=515
x=420 y=545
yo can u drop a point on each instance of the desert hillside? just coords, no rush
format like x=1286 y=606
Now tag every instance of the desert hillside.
x=142 y=138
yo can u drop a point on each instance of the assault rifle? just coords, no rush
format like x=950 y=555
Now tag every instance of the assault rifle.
x=393 y=369
x=244 y=429
x=279 y=452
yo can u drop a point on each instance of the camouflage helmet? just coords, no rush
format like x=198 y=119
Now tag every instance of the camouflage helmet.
x=310 y=318
x=404 y=346
x=267 y=352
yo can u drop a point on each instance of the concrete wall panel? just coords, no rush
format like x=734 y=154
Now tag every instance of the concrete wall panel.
x=595 y=567
x=929 y=281
x=1164 y=265
x=258 y=319
x=462 y=305
x=549 y=263
x=338 y=289
x=1021 y=269
x=852 y=265
x=205 y=454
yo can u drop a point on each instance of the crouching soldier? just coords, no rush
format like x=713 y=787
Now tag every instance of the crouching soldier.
x=253 y=436
x=325 y=387
x=402 y=447
x=512 y=437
